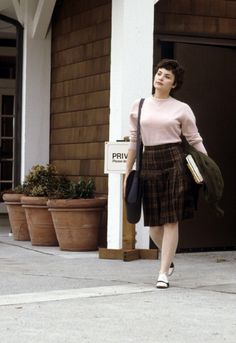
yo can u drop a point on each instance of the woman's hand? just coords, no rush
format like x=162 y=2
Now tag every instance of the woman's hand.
x=124 y=183
x=129 y=167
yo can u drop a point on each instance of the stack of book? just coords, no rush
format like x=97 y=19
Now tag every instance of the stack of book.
x=194 y=169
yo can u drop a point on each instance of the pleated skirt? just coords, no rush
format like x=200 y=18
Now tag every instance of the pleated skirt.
x=167 y=183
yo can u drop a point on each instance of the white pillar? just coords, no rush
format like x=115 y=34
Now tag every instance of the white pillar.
x=35 y=94
x=131 y=78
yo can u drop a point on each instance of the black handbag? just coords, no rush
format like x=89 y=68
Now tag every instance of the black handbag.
x=134 y=185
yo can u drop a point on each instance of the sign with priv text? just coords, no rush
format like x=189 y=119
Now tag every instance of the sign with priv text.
x=116 y=154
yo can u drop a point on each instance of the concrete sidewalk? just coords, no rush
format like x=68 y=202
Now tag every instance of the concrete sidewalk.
x=48 y=295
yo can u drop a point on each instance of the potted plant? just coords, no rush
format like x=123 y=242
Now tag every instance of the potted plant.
x=39 y=184
x=16 y=213
x=77 y=214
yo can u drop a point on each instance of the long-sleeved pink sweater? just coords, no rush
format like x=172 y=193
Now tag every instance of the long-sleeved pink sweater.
x=163 y=121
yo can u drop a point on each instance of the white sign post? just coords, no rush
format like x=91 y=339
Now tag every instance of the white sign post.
x=116 y=154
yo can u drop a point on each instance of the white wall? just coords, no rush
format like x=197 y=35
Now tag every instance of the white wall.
x=35 y=95
x=36 y=103
x=131 y=78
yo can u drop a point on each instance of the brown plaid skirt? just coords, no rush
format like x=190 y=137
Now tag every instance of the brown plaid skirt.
x=167 y=182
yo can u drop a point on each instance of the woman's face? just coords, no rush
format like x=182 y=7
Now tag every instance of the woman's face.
x=164 y=80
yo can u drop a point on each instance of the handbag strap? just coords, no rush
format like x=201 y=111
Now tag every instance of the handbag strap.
x=139 y=144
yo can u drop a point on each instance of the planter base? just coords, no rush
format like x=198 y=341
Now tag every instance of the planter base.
x=39 y=221
x=41 y=227
x=77 y=230
x=77 y=222
x=17 y=217
x=18 y=222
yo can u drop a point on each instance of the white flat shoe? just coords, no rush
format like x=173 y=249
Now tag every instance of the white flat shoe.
x=162 y=281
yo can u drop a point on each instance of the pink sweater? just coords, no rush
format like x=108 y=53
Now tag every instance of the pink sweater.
x=163 y=121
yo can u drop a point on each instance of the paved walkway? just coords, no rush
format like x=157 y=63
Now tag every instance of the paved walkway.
x=48 y=295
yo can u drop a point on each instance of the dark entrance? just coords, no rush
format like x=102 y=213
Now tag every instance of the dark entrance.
x=209 y=89
x=11 y=43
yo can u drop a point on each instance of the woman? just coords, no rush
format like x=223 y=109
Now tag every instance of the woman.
x=168 y=197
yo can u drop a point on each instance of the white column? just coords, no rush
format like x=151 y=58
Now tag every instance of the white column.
x=35 y=94
x=131 y=78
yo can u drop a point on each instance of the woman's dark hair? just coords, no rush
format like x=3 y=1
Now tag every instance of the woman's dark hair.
x=176 y=69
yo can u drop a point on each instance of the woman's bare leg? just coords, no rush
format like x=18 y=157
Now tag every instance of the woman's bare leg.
x=169 y=245
x=156 y=234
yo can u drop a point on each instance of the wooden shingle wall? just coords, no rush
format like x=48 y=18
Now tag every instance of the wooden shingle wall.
x=81 y=38
x=197 y=17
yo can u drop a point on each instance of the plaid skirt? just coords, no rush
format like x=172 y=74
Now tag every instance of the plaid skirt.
x=167 y=183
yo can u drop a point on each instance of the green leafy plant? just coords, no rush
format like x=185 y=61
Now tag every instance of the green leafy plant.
x=46 y=182
x=67 y=189
x=18 y=189
x=41 y=181
x=85 y=188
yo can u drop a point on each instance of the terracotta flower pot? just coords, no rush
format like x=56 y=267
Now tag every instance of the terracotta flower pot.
x=40 y=224
x=16 y=216
x=77 y=222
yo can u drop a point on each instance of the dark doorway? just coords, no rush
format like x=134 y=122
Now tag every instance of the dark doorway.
x=209 y=89
x=11 y=46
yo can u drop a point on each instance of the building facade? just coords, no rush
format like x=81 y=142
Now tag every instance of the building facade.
x=78 y=67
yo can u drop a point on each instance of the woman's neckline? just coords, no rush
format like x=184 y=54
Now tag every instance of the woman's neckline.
x=160 y=99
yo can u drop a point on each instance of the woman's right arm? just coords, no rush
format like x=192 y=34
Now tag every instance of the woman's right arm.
x=133 y=116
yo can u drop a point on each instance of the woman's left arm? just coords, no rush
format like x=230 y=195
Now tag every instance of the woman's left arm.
x=190 y=130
